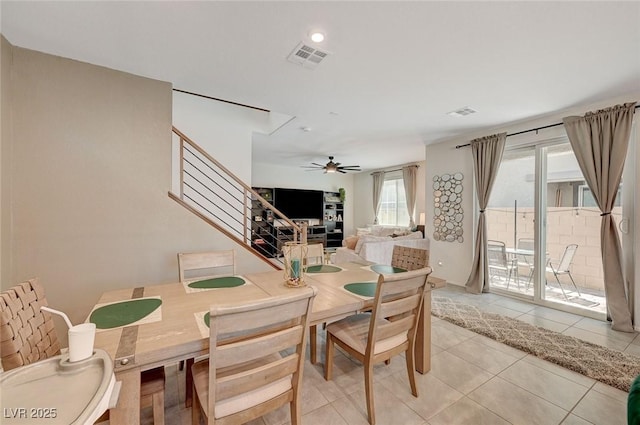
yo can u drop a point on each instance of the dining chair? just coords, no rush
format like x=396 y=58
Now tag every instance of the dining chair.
x=202 y=265
x=499 y=262
x=409 y=258
x=564 y=267
x=205 y=265
x=28 y=335
x=315 y=254
x=372 y=339
x=256 y=359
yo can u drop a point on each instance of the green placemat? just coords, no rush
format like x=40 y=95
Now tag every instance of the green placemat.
x=207 y=319
x=383 y=269
x=123 y=313
x=218 y=282
x=323 y=268
x=366 y=289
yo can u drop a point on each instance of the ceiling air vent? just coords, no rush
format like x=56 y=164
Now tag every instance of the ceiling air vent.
x=307 y=56
x=462 y=112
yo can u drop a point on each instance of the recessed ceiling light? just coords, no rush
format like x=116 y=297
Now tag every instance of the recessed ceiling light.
x=306 y=129
x=317 y=37
x=462 y=112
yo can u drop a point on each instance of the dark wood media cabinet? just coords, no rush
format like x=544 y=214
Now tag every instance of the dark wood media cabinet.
x=269 y=238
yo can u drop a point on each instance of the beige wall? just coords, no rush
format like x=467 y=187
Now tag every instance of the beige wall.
x=90 y=165
x=5 y=133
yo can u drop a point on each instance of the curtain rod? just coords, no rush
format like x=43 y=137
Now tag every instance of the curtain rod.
x=527 y=131
x=397 y=169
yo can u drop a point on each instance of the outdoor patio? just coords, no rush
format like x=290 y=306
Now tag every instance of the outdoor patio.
x=590 y=298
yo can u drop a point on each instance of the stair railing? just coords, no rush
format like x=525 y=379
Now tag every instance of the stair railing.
x=215 y=194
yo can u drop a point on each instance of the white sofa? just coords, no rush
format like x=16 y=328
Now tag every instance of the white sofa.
x=377 y=249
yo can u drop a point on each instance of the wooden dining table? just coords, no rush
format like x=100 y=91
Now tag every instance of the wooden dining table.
x=176 y=330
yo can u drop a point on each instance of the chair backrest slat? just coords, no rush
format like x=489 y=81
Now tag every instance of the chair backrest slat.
x=270 y=314
x=233 y=385
x=402 y=305
x=395 y=327
x=400 y=286
x=198 y=261
x=246 y=350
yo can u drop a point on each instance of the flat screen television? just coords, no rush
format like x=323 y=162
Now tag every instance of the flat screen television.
x=299 y=204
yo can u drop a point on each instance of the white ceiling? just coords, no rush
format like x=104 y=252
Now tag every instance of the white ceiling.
x=396 y=68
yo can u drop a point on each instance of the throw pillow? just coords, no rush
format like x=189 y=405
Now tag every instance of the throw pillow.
x=351 y=242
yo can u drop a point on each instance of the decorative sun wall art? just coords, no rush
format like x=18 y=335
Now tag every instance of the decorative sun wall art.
x=447 y=208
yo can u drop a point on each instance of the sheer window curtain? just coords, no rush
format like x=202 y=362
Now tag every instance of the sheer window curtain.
x=409 y=178
x=378 y=183
x=600 y=140
x=487 y=155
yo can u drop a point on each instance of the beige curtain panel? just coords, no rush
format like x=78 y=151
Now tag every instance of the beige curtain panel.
x=487 y=155
x=378 y=182
x=600 y=140
x=409 y=178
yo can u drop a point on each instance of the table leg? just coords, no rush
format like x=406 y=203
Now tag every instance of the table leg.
x=313 y=344
x=188 y=396
x=127 y=411
x=423 y=337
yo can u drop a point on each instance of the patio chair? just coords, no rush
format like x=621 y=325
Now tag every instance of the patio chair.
x=525 y=260
x=499 y=262
x=564 y=267
x=372 y=339
x=31 y=336
x=256 y=360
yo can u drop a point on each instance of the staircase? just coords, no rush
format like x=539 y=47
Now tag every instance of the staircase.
x=217 y=196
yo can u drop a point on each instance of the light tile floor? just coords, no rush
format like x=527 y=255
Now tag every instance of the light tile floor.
x=473 y=380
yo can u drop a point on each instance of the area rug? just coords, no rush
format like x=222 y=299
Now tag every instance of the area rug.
x=603 y=364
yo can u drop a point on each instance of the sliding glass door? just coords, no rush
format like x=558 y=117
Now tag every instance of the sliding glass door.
x=572 y=269
x=510 y=224
x=544 y=230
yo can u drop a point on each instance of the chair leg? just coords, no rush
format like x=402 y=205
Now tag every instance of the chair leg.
x=574 y=283
x=560 y=285
x=368 y=389
x=294 y=410
x=328 y=359
x=411 y=370
x=195 y=409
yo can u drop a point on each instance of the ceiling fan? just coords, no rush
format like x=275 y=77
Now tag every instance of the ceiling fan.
x=332 y=167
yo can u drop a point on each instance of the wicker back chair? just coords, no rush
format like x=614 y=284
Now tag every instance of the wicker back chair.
x=409 y=258
x=26 y=333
